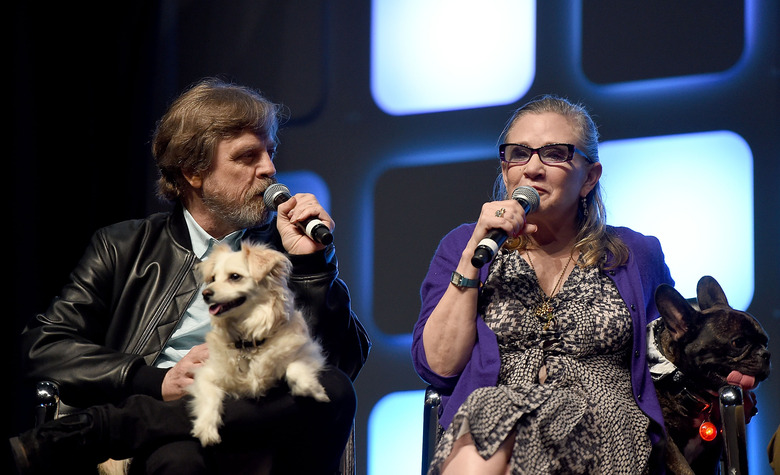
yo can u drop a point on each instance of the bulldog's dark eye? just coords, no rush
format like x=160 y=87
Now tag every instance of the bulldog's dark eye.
x=235 y=277
x=739 y=342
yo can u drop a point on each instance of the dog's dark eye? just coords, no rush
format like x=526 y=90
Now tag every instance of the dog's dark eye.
x=739 y=342
x=235 y=277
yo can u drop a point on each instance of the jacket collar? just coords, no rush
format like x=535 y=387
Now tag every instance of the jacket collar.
x=178 y=227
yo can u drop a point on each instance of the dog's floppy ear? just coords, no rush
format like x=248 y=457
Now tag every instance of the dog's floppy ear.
x=263 y=261
x=204 y=269
x=676 y=312
x=281 y=266
x=709 y=293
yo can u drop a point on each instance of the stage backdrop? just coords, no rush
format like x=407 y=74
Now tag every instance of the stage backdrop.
x=395 y=108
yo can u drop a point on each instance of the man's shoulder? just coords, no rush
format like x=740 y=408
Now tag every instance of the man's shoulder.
x=152 y=230
x=156 y=220
x=155 y=236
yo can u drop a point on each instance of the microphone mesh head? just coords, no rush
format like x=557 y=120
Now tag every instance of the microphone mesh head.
x=526 y=196
x=270 y=194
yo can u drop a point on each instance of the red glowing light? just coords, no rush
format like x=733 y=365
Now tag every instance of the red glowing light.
x=708 y=431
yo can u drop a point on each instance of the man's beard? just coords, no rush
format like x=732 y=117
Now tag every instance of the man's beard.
x=251 y=211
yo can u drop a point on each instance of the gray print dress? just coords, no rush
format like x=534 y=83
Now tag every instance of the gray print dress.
x=583 y=418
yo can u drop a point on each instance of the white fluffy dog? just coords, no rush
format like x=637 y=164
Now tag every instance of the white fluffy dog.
x=257 y=337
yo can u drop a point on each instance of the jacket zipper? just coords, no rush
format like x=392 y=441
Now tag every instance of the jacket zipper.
x=155 y=320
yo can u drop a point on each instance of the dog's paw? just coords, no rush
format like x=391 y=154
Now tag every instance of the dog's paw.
x=314 y=390
x=207 y=434
x=320 y=395
x=302 y=379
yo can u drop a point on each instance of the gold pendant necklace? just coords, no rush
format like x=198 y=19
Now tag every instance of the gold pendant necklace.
x=544 y=311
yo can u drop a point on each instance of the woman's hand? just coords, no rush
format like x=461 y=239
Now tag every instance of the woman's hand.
x=507 y=215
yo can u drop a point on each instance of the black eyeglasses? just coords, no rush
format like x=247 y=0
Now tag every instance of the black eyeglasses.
x=517 y=154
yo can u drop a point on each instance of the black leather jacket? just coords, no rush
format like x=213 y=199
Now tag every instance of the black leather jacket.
x=99 y=338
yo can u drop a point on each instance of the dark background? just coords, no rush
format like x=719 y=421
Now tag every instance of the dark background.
x=89 y=82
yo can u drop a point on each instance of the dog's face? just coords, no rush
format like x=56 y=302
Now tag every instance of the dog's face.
x=717 y=345
x=237 y=280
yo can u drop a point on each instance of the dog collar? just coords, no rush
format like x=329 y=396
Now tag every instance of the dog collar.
x=666 y=374
x=247 y=344
x=660 y=366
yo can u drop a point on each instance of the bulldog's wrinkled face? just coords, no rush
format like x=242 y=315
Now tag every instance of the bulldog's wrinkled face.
x=717 y=344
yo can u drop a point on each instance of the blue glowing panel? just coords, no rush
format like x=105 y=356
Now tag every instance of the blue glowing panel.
x=395 y=434
x=694 y=192
x=306 y=182
x=439 y=55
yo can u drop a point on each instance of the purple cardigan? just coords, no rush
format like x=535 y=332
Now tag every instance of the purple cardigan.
x=636 y=281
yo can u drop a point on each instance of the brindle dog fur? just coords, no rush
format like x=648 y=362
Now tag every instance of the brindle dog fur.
x=711 y=346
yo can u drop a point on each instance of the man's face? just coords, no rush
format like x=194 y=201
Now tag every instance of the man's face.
x=241 y=171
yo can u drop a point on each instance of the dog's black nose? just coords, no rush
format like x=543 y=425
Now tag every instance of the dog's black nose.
x=207 y=294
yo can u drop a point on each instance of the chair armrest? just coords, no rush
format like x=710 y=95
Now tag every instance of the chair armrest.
x=732 y=413
x=430 y=426
x=47 y=402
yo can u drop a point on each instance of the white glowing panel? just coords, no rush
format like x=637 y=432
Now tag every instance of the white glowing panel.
x=694 y=192
x=395 y=434
x=439 y=55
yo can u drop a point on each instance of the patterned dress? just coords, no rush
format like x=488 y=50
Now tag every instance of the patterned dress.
x=583 y=418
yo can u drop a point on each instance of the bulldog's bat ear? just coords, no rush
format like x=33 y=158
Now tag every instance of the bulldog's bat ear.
x=709 y=293
x=676 y=312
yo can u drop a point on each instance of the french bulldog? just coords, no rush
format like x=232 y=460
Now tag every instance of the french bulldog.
x=692 y=354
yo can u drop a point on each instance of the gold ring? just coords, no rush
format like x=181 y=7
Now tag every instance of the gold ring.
x=500 y=212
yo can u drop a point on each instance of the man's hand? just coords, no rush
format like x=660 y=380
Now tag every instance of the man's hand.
x=177 y=379
x=296 y=210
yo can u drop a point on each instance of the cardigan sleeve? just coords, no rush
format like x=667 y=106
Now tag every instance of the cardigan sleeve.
x=484 y=364
x=444 y=261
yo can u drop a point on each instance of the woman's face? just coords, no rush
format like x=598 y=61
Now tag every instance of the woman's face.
x=561 y=186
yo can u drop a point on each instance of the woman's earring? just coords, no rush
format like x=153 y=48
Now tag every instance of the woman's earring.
x=584 y=207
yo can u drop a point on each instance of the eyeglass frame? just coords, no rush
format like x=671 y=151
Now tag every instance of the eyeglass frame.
x=572 y=150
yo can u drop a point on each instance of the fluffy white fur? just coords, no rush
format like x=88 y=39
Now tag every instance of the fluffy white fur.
x=249 y=301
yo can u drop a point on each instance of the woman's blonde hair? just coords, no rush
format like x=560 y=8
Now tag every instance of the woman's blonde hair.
x=594 y=239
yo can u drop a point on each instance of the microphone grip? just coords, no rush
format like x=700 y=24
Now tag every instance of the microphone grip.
x=488 y=247
x=317 y=230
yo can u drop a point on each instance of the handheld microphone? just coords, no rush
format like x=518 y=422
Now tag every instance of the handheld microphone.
x=277 y=194
x=489 y=245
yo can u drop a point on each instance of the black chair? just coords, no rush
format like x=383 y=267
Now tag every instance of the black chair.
x=431 y=428
x=47 y=408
